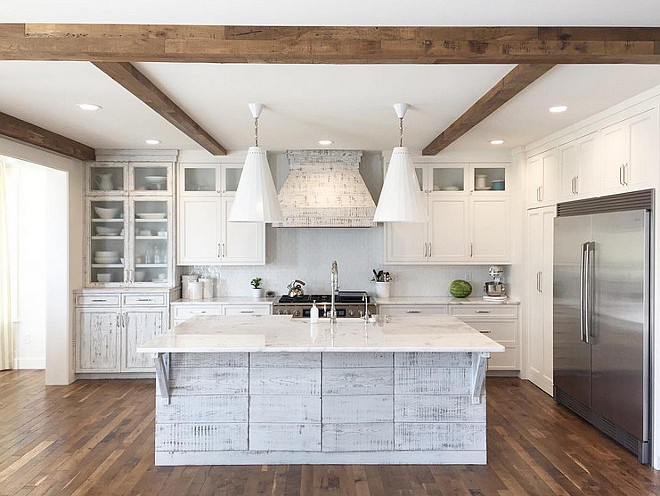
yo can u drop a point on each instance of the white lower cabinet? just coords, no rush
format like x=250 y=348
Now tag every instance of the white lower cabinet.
x=184 y=311
x=412 y=309
x=498 y=322
x=108 y=331
x=141 y=325
x=97 y=339
x=539 y=309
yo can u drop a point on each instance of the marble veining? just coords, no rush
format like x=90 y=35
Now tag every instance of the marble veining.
x=282 y=333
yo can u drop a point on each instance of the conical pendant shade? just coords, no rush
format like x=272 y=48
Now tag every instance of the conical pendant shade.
x=401 y=200
x=256 y=197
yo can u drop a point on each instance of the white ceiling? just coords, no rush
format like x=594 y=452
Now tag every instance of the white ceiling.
x=340 y=12
x=351 y=105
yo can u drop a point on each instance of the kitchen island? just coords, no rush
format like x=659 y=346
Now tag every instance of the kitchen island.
x=405 y=389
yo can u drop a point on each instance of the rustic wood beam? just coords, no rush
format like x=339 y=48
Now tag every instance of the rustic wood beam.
x=138 y=84
x=330 y=44
x=20 y=130
x=509 y=86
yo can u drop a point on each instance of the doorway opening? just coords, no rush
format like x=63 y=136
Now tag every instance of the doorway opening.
x=37 y=211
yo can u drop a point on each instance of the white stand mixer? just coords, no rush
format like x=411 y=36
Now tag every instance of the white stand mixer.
x=495 y=290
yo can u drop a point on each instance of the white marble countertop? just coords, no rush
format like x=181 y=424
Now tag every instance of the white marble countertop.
x=227 y=300
x=281 y=333
x=441 y=300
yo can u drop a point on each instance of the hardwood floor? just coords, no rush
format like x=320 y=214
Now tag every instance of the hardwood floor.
x=96 y=438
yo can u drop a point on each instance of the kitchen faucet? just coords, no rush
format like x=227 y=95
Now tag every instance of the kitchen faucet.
x=334 y=289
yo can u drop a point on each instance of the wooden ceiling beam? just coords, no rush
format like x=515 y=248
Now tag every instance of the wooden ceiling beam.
x=330 y=44
x=509 y=86
x=137 y=83
x=25 y=132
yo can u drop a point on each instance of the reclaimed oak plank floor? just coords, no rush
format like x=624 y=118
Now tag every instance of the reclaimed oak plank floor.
x=96 y=438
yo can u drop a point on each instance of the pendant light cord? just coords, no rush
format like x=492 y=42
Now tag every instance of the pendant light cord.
x=400 y=131
x=256 y=131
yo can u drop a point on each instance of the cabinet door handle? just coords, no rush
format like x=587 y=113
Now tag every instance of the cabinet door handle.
x=132 y=275
x=482 y=311
x=485 y=332
x=144 y=299
x=424 y=250
x=99 y=300
x=470 y=250
x=247 y=311
x=118 y=320
x=123 y=321
x=621 y=174
x=224 y=250
x=430 y=249
x=413 y=311
x=625 y=174
x=219 y=253
x=541 y=282
x=537 y=282
x=540 y=193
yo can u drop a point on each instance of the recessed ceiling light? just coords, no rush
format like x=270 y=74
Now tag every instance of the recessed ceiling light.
x=325 y=142
x=88 y=106
x=558 y=108
x=152 y=142
x=496 y=141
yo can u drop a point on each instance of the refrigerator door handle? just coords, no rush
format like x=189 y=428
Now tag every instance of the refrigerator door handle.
x=583 y=304
x=588 y=306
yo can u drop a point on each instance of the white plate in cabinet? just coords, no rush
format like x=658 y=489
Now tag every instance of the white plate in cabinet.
x=484 y=312
x=412 y=309
x=185 y=312
x=247 y=310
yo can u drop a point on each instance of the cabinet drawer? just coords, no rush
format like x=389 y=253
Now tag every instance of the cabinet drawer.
x=412 y=309
x=97 y=300
x=484 y=311
x=504 y=361
x=505 y=333
x=247 y=310
x=185 y=312
x=145 y=299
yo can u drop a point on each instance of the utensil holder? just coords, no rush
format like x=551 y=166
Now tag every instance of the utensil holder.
x=383 y=289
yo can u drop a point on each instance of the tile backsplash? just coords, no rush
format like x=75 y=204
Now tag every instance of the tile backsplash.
x=297 y=253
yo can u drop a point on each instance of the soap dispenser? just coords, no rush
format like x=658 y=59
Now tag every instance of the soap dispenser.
x=314 y=313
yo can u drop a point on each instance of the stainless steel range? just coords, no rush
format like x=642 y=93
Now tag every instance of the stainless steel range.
x=348 y=304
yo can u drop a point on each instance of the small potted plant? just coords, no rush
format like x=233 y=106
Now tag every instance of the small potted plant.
x=257 y=290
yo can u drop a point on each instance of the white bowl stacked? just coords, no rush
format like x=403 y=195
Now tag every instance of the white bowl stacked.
x=106 y=257
x=106 y=213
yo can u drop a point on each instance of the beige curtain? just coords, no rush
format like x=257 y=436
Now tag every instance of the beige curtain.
x=6 y=333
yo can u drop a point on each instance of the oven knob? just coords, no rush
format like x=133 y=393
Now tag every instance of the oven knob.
x=296 y=313
x=350 y=313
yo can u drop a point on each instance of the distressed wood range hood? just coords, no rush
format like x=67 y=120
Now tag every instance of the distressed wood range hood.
x=324 y=188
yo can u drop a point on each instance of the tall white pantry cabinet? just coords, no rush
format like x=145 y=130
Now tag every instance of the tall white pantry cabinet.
x=129 y=261
x=617 y=151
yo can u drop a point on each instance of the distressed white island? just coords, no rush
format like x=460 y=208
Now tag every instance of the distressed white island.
x=272 y=389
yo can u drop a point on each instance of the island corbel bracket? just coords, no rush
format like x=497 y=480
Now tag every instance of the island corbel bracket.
x=162 y=375
x=479 y=361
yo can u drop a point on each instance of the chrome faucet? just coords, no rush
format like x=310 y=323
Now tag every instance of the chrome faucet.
x=334 y=287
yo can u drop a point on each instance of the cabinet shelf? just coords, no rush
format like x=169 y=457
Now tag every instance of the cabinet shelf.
x=107 y=237
x=150 y=237
x=148 y=266
x=107 y=220
x=107 y=266
x=150 y=220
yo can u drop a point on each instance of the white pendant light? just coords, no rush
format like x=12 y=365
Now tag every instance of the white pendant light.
x=401 y=199
x=256 y=197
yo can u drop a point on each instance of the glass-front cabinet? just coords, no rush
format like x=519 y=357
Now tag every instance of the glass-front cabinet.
x=203 y=179
x=459 y=178
x=125 y=178
x=130 y=242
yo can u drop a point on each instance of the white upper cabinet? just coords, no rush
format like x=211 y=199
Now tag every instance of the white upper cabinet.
x=578 y=177
x=205 y=235
x=630 y=153
x=542 y=179
x=468 y=218
x=129 y=178
x=448 y=230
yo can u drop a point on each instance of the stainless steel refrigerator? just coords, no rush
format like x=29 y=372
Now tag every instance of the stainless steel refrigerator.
x=602 y=316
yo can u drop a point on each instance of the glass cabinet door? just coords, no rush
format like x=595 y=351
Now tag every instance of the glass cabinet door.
x=151 y=178
x=231 y=174
x=489 y=178
x=152 y=242
x=448 y=178
x=200 y=178
x=107 y=246
x=107 y=178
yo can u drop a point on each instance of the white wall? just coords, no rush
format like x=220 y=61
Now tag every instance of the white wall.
x=59 y=333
